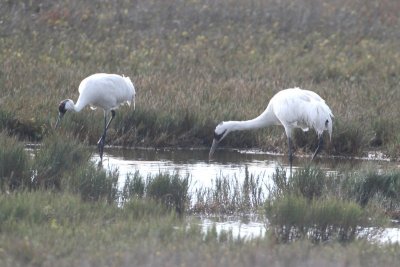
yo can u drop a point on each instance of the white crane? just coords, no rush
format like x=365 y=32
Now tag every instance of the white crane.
x=291 y=108
x=106 y=91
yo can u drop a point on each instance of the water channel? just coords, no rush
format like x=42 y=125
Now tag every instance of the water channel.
x=226 y=163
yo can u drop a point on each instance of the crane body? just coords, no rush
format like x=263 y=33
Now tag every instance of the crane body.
x=101 y=90
x=292 y=108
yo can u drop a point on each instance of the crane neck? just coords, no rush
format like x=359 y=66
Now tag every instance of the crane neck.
x=70 y=105
x=265 y=119
x=79 y=106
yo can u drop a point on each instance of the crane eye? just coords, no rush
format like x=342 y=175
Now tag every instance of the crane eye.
x=219 y=136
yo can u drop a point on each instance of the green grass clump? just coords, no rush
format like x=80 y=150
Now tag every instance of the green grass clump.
x=94 y=184
x=5 y=119
x=229 y=196
x=382 y=188
x=295 y=217
x=63 y=163
x=55 y=159
x=171 y=190
x=14 y=164
x=319 y=207
x=134 y=186
x=309 y=181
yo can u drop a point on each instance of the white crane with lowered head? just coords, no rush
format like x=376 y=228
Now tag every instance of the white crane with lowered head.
x=103 y=90
x=291 y=108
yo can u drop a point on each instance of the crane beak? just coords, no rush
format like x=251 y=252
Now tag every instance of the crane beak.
x=213 y=147
x=60 y=115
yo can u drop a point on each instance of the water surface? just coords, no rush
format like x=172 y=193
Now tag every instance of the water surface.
x=229 y=164
x=202 y=171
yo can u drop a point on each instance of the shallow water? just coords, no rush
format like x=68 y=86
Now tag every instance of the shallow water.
x=226 y=163
x=195 y=163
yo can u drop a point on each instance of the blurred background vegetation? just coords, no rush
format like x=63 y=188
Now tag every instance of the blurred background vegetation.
x=195 y=63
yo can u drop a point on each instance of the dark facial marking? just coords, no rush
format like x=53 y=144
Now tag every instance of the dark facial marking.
x=61 y=107
x=218 y=136
x=326 y=123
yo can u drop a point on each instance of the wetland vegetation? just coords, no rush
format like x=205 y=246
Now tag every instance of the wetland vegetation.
x=195 y=63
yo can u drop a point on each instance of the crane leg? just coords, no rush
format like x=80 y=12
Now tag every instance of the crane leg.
x=102 y=140
x=290 y=155
x=320 y=144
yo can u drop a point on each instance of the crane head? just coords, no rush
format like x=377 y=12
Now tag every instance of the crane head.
x=220 y=132
x=62 y=109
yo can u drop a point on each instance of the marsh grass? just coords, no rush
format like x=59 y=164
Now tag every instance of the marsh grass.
x=44 y=228
x=210 y=61
x=31 y=130
x=229 y=196
x=55 y=159
x=378 y=188
x=134 y=187
x=59 y=212
x=319 y=207
x=85 y=222
x=171 y=190
x=14 y=164
x=226 y=196
x=194 y=64
x=63 y=163
x=295 y=217
x=94 y=184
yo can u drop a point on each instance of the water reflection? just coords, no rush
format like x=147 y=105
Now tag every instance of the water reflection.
x=238 y=227
x=192 y=162
x=226 y=163
x=195 y=163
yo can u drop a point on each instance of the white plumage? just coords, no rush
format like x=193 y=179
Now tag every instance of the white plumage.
x=291 y=108
x=297 y=108
x=106 y=91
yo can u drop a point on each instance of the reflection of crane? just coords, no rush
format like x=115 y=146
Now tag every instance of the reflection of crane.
x=291 y=108
x=106 y=91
